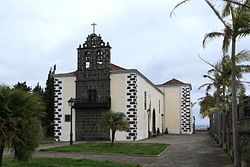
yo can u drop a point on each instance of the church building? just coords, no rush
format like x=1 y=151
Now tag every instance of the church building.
x=98 y=86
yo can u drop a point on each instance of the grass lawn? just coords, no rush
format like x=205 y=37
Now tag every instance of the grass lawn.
x=120 y=148
x=63 y=162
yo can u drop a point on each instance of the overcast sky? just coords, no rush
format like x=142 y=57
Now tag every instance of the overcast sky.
x=35 y=35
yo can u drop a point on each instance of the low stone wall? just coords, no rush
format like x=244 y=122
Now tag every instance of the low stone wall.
x=245 y=147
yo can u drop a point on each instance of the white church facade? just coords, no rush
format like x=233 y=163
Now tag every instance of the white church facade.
x=99 y=86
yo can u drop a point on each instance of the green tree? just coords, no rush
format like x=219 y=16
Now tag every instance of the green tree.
x=239 y=26
x=20 y=125
x=235 y=17
x=39 y=90
x=23 y=86
x=220 y=76
x=114 y=121
x=48 y=120
x=207 y=104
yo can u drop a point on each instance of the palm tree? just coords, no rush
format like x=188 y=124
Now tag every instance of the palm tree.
x=239 y=26
x=211 y=105
x=236 y=21
x=114 y=121
x=207 y=104
x=20 y=125
x=219 y=75
x=239 y=3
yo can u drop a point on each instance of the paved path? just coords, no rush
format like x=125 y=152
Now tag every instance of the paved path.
x=197 y=150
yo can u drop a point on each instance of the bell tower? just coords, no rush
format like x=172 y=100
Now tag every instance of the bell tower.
x=92 y=87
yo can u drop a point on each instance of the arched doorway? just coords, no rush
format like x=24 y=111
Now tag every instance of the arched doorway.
x=154 y=122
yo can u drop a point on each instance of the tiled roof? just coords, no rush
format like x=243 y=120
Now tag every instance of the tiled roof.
x=174 y=82
x=114 y=67
x=69 y=74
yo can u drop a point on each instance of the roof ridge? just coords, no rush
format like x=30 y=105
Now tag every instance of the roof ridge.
x=175 y=82
x=114 y=67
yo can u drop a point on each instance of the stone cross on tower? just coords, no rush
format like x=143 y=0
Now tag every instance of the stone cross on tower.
x=94 y=24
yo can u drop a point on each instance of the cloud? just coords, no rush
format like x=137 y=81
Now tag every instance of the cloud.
x=35 y=35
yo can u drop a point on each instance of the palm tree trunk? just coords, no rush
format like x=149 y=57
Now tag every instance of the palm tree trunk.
x=229 y=139
x=234 y=108
x=113 y=137
x=224 y=111
x=1 y=153
x=218 y=111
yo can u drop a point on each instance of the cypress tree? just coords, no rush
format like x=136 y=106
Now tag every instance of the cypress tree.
x=48 y=121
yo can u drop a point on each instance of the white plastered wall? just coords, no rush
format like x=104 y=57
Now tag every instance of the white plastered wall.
x=172 y=109
x=68 y=89
x=118 y=104
x=155 y=97
x=117 y=92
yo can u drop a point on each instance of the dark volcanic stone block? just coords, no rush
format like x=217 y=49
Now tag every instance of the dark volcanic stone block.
x=87 y=125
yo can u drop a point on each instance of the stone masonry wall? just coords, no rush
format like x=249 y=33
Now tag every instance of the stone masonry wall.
x=87 y=125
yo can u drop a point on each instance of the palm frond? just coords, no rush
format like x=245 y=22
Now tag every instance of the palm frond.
x=178 y=5
x=246 y=4
x=226 y=11
x=244 y=33
x=210 y=36
x=216 y=12
x=244 y=68
x=207 y=103
x=211 y=71
x=226 y=40
x=242 y=21
x=242 y=56
x=207 y=76
x=247 y=82
x=213 y=66
x=206 y=84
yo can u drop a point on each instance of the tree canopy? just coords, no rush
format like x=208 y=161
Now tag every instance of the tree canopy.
x=20 y=125
x=114 y=121
x=48 y=119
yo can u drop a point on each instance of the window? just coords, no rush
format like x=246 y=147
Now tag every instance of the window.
x=99 y=52
x=67 y=118
x=87 y=64
x=99 y=61
x=92 y=96
x=145 y=100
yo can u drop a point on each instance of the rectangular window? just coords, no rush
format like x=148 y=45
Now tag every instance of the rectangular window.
x=67 y=118
x=145 y=100
x=87 y=64
x=92 y=96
